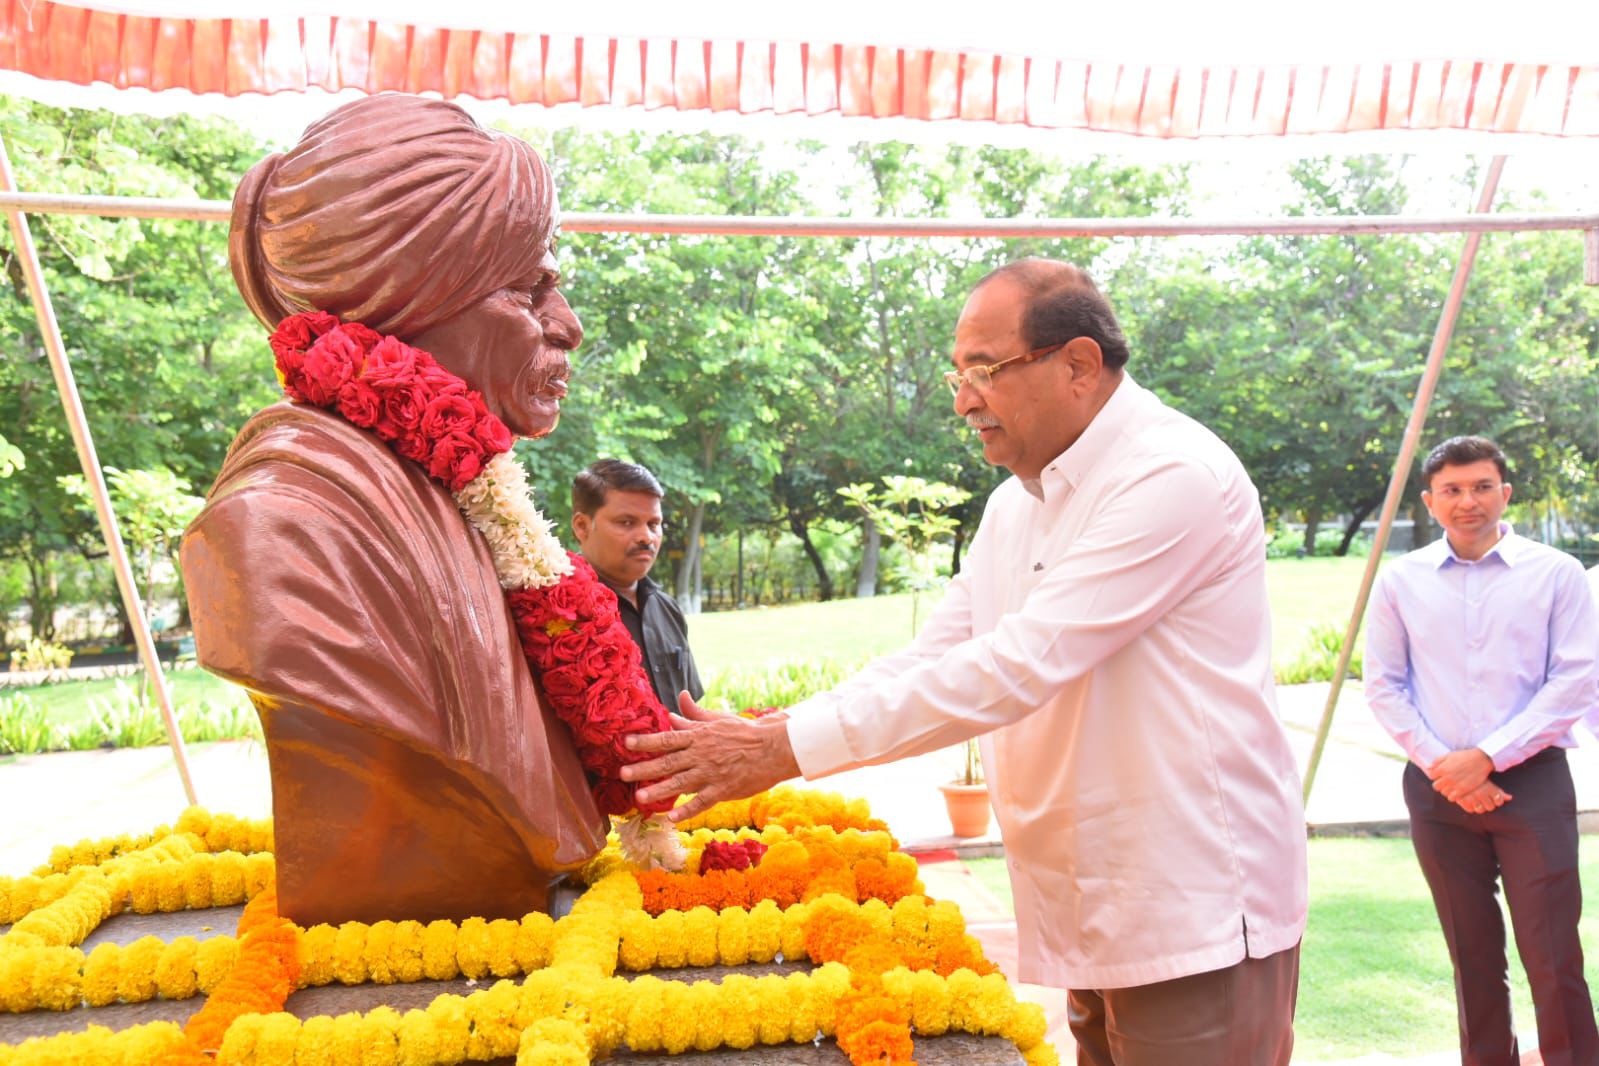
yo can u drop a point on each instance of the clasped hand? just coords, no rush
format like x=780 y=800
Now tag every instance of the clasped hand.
x=1461 y=777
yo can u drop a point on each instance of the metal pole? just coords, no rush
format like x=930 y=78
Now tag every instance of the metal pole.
x=1590 y=256
x=824 y=226
x=68 y=389
x=1407 y=454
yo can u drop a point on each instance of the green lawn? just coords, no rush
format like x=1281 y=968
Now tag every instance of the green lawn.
x=1309 y=592
x=1375 y=975
x=851 y=630
x=1304 y=592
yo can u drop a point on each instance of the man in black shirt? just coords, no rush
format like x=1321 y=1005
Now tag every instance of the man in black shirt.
x=616 y=516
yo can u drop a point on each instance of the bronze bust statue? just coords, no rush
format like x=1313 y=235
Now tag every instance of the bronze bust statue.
x=417 y=772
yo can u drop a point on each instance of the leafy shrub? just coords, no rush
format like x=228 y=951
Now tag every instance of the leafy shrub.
x=25 y=727
x=206 y=723
x=1317 y=657
x=41 y=655
x=775 y=686
x=125 y=719
x=1286 y=543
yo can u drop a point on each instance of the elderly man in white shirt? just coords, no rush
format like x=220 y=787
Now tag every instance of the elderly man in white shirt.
x=1109 y=636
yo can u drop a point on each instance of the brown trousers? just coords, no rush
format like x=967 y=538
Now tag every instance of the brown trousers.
x=1239 y=1016
x=1529 y=844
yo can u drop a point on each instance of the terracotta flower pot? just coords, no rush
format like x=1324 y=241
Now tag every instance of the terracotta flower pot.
x=968 y=808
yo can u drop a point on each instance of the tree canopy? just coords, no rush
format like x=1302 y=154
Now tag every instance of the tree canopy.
x=757 y=376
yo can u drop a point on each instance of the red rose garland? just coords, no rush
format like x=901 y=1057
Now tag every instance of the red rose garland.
x=567 y=620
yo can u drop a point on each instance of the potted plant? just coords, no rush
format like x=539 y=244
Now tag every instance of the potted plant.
x=966 y=797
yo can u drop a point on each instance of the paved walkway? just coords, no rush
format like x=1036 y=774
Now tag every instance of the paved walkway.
x=62 y=798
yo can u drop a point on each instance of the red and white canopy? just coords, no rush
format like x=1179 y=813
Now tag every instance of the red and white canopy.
x=1161 y=70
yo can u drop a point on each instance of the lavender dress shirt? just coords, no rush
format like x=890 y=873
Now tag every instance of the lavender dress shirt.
x=1498 y=654
x=1593 y=715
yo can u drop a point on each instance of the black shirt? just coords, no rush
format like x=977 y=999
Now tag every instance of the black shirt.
x=661 y=632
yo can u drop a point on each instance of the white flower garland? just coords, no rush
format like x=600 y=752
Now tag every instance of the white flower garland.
x=499 y=504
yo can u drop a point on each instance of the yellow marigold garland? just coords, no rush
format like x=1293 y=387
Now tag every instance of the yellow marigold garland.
x=569 y=1009
x=790 y=808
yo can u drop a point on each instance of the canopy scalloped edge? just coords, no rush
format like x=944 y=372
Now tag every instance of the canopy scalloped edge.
x=236 y=56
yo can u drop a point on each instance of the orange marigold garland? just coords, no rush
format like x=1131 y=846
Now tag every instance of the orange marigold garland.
x=788 y=873
x=266 y=973
x=874 y=1026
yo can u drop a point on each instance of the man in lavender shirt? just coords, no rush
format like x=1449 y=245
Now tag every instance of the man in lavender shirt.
x=1480 y=658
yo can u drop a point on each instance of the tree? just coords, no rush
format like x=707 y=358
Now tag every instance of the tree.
x=695 y=346
x=168 y=361
x=153 y=508
x=11 y=458
x=911 y=511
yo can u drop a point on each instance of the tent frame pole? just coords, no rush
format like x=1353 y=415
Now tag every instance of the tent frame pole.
x=1402 y=463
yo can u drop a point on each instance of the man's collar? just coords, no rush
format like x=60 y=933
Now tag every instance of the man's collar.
x=1066 y=471
x=1508 y=547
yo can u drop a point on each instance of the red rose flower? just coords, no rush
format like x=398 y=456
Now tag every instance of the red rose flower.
x=295 y=333
x=391 y=362
x=291 y=364
x=439 y=381
x=366 y=338
x=565 y=598
x=535 y=645
x=568 y=647
x=457 y=459
x=607 y=709
x=607 y=614
x=412 y=446
x=403 y=404
x=445 y=415
x=359 y=403
x=563 y=683
x=605 y=659
x=493 y=435
x=333 y=360
x=731 y=855
x=612 y=796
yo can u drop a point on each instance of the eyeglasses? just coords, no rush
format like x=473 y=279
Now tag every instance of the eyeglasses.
x=1482 y=490
x=981 y=376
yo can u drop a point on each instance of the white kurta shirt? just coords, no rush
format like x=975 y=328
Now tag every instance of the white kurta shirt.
x=1110 y=627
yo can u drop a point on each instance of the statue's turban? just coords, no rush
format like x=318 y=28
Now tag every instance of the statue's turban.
x=395 y=211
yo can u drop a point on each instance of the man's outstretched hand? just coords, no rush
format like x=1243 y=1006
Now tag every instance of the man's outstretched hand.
x=715 y=756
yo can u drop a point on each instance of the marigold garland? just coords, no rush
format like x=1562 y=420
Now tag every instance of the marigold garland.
x=888 y=965
x=788 y=873
x=266 y=972
x=790 y=808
